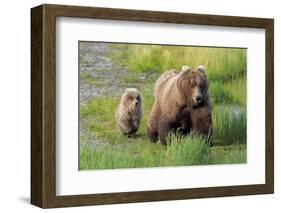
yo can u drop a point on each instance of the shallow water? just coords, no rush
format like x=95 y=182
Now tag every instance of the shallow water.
x=234 y=108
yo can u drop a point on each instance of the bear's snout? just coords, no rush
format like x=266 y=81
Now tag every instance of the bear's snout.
x=198 y=98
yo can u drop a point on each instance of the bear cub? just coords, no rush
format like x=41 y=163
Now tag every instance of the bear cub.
x=129 y=112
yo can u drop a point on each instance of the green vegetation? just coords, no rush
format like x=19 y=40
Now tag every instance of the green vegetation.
x=190 y=150
x=226 y=71
x=222 y=63
x=226 y=67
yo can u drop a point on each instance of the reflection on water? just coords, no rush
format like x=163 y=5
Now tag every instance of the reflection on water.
x=234 y=108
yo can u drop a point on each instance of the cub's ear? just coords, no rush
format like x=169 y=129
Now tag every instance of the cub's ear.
x=127 y=90
x=201 y=69
x=185 y=68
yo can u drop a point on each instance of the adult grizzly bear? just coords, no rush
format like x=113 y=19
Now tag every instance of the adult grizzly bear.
x=129 y=112
x=181 y=103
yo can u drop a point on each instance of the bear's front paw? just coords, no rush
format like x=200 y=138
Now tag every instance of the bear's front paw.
x=153 y=136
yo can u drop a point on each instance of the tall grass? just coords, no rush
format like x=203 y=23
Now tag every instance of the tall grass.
x=233 y=92
x=222 y=63
x=229 y=125
x=183 y=151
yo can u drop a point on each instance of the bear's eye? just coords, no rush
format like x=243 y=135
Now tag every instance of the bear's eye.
x=193 y=85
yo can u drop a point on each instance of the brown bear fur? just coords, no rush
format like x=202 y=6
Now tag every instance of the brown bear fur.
x=181 y=103
x=129 y=112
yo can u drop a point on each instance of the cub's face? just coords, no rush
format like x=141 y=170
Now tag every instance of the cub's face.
x=194 y=84
x=132 y=99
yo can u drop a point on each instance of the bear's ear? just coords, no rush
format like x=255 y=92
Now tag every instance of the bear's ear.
x=185 y=68
x=127 y=90
x=201 y=69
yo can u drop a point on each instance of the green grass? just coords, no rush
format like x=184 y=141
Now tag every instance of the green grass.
x=103 y=147
x=229 y=126
x=222 y=63
x=185 y=151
